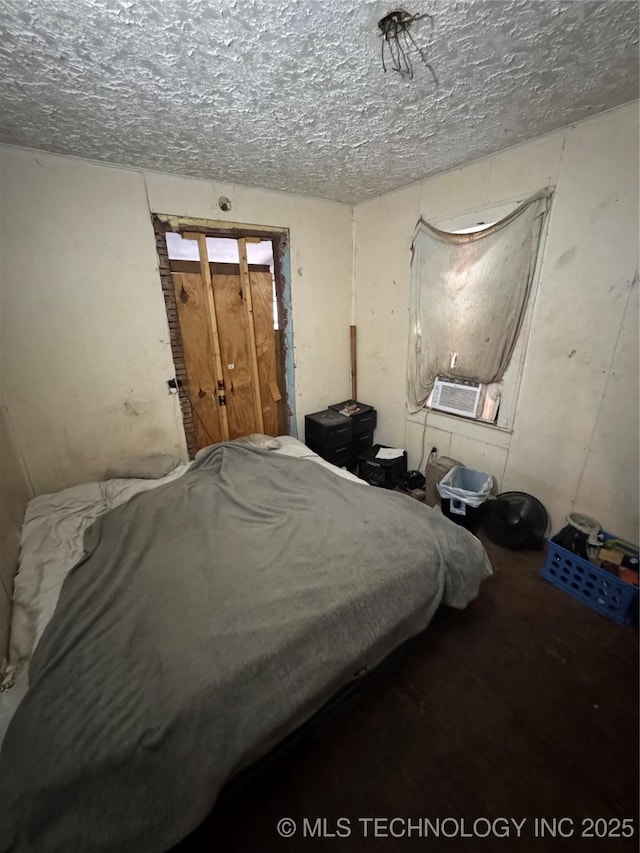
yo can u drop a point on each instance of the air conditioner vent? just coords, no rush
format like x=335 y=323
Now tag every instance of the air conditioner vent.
x=458 y=398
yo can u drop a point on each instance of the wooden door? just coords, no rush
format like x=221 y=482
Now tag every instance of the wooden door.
x=247 y=349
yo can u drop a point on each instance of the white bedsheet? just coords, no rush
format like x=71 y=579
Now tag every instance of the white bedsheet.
x=52 y=543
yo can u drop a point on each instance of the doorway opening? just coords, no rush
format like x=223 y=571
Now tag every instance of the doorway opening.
x=228 y=300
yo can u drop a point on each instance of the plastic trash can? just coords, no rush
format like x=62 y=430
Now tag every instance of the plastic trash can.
x=463 y=492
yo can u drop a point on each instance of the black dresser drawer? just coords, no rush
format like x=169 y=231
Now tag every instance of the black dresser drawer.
x=327 y=428
x=360 y=443
x=341 y=455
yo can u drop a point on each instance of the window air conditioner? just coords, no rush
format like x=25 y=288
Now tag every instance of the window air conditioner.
x=456 y=396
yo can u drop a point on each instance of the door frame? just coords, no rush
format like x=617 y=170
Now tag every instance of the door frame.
x=162 y=223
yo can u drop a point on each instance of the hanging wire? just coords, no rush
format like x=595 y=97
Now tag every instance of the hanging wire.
x=398 y=43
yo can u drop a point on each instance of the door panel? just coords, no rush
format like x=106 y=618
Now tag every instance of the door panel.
x=262 y=295
x=198 y=356
x=234 y=349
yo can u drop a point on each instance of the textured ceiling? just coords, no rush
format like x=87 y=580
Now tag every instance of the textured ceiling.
x=291 y=95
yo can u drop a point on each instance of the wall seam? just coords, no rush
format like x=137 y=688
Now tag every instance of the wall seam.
x=596 y=421
x=539 y=285
x=353 y=324
x=18 y=448
x=354 y=234
x=146 y=191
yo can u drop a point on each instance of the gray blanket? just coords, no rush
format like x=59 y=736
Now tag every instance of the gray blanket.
x=208 y=618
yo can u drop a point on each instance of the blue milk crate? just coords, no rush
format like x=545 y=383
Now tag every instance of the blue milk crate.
x=614 y=598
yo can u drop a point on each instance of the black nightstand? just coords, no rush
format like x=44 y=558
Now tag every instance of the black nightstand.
x=364 y=419
x=328 y=433
x=341 y=433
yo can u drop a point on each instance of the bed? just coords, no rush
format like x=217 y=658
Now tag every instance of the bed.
x=168 y=633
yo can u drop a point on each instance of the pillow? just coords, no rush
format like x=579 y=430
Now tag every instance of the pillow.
x=257 y=439
x=150 y=467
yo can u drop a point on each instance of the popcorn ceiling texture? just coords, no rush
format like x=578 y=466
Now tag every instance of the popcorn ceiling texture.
x=291 y=96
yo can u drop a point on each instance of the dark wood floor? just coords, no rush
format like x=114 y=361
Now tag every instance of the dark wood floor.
x=524 y=706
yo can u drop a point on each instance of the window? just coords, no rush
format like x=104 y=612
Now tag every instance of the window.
x=225 y=250
x=472 y=302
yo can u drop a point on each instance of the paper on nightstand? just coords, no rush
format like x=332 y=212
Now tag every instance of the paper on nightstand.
x=389 y=453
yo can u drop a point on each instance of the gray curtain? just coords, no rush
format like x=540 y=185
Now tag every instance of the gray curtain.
x=469 y=293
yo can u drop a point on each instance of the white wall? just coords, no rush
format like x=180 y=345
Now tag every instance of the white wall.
x=15 y=491
x=84 y=341
x=575 y=438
